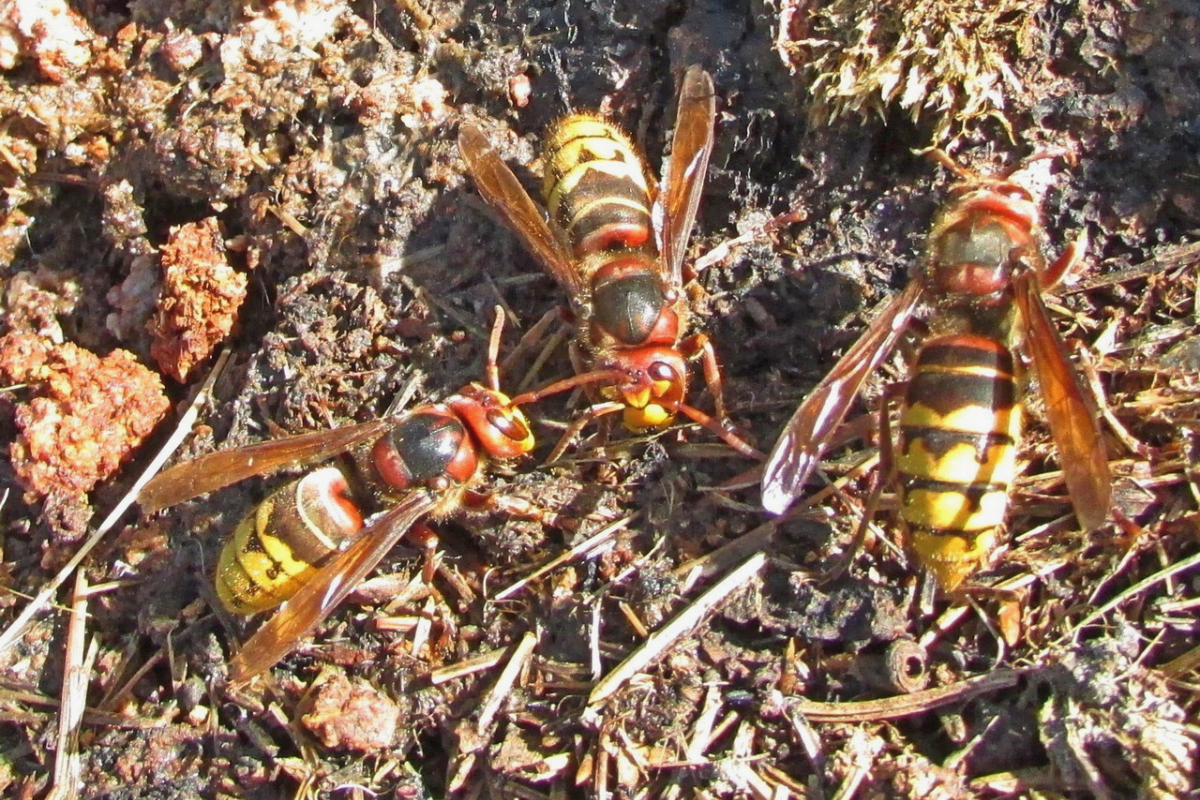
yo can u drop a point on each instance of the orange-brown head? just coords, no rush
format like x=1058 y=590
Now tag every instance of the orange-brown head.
x=654 y=387
x=497 y=424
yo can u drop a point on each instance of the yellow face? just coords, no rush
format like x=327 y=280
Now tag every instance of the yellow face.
x=648 y=418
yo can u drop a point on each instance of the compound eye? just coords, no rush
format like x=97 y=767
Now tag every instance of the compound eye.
x=511 y=427
x=661 y=372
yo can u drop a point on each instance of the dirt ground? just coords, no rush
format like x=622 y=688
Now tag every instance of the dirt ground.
x=296 y=164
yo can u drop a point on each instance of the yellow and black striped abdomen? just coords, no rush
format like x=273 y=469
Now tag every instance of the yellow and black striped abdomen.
x=596 y=186
x=282 y=541
x=959 y=431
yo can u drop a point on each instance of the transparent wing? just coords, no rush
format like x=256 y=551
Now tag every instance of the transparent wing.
x=1073 y=424
x=675 y=208
x=807 y=434
x=503 y=192
x=319 y=596
x=218 y=470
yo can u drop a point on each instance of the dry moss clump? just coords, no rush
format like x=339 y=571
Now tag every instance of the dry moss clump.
x=946 y=63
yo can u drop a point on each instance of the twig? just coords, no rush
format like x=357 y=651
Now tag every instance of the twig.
x=555 y=341
x=424 y=628
x=1136 y=589
x=1183 y=255
x=504 y=683
x=631 y=616
x=585 y=549
x=1088 y=369
x=702 y=731
x=597 y=664
x=745 y=778
x=467 y=324
x=681 y=624
x=527 y=340
x=470 y=666
x=119 y=691
x=77 y=667
x=1134 y=534
x=1183 y=664
x=953 y=614
x=863 y=752
x=908 y=704
x=809 y=739
x=604 y=758
x=91 y=716
x=723 y=250
x=725 y=556
x=387 y=266
x=508 y=312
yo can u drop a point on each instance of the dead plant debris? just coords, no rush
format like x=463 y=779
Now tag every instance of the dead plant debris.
x=302 y=152
x=950 y=66
x=87 y=417
x=200 y=298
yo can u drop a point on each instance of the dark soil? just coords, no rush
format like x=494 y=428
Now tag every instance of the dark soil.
x=321 y=137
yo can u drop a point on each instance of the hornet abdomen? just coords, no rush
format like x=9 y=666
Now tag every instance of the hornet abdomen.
x=596 y=187
x=959 y=430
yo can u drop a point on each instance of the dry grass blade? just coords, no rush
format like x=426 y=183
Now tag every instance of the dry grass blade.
x=462 y=669
x=909 y=704
x=681 y=624
x=585 y=549
x=1182 y=665
x=508 y=678
x=77 y=668
x=1136 y=589
x=1184 y=255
